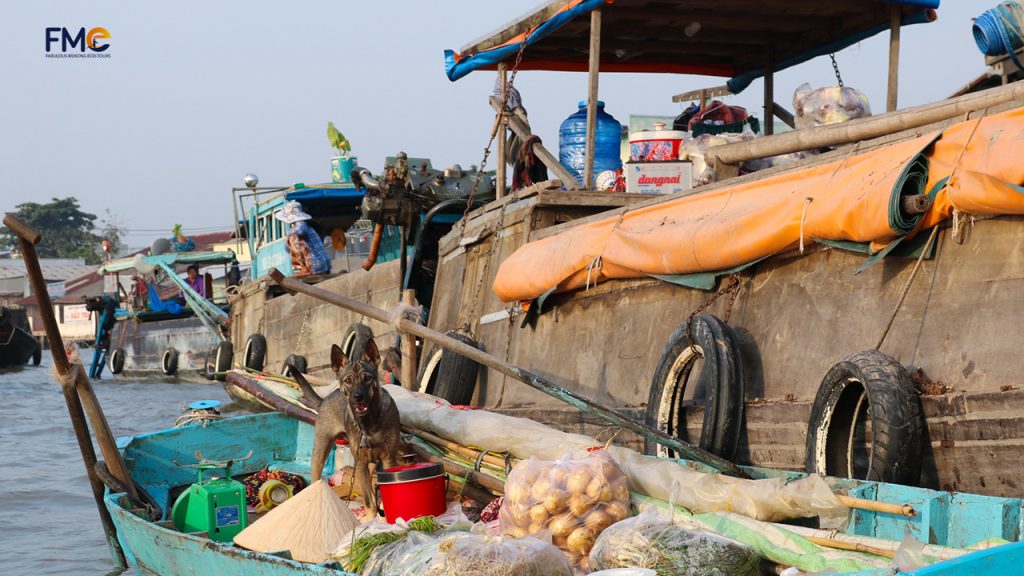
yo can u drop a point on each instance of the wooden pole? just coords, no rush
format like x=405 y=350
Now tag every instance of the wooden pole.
x=864 y=128
x=769 y=91
x=502 y=132
x=595 y=66
x=894 y=57
x=27 y=239
x=529 y=378
x=521 y=129
x=409 y=360
x=876 y=506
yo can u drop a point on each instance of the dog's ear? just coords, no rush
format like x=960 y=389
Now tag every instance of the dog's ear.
x=338 y=358
x=372 y=353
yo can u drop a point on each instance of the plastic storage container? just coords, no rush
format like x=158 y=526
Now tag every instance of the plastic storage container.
x=656 y=145
x=572 y=142
x=409 y=492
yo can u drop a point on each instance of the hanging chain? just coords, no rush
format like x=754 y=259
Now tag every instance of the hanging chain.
x=729 y=286
x=835 y=66
x=506 y=90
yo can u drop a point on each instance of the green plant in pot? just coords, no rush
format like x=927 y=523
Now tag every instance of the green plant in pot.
x=342 y=164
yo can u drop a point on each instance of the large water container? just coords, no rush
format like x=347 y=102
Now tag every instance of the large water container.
x=572 y=142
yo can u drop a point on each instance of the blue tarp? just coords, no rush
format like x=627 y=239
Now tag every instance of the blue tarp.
x=457 y=66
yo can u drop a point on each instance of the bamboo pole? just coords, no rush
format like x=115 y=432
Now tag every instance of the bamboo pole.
x=864 y=128
x=468 y=474
x=533 y=380
x=853 y=546
x=409 y=360
x=595 y=68
x=27 y=239
x=457 y=448
x=876 y=506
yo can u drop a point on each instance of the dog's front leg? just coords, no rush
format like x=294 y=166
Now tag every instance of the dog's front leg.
x=323 y=441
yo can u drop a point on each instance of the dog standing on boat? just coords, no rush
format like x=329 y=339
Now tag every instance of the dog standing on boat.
x=361 y=410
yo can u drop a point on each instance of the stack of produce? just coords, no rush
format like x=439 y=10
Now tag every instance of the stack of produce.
x=828 y=105
x=574 y=499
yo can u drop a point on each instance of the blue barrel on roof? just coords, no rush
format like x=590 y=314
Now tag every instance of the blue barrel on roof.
x=572 y=142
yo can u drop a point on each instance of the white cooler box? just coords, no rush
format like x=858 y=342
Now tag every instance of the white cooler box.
x=658 y=177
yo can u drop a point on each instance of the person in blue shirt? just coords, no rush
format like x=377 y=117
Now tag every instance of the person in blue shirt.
x=307 y=249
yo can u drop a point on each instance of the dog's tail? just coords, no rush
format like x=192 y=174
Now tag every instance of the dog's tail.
x=310 y=397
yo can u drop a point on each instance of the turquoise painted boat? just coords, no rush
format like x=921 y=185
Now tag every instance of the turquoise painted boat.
x=944 y=520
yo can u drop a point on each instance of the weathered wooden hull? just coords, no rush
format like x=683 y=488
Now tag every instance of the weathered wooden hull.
x=145 y=343
x=795 y=316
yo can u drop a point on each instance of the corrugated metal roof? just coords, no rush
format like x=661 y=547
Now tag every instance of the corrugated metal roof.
x=53 y=268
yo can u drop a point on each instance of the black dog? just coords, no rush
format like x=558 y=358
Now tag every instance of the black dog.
x=360 y=410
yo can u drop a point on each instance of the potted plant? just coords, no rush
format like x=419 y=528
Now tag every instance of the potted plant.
x=342 y=164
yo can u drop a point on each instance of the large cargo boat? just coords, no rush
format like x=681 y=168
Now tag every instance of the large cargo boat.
x=858 y=302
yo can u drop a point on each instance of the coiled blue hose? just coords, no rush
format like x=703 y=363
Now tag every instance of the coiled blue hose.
x=999 y=30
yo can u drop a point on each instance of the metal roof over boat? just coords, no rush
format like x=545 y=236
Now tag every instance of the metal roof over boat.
x=170 y=258
x=344 y=193
x=729 y=38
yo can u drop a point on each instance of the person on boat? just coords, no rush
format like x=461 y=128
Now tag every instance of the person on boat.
x=304 y=244
x=194 y=281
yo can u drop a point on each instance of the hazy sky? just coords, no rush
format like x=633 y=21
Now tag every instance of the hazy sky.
x=196 y=94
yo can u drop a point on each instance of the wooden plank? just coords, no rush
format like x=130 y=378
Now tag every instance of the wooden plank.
x=595 y=69
x=894 y=57
x=515 y=28
x=598 y=199
x=522 y=129
x=785 y=115
x=409 y=360
x=702 y=93
x=502 y=133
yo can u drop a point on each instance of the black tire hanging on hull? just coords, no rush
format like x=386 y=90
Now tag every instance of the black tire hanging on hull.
x=866 y=389
x=448 y=375
x=721 y=378
x=255 y=352
x=117 y=361
x=293 y=362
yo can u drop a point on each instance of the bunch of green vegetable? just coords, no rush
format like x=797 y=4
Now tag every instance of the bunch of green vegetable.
x=650 y=540
x=364 y=545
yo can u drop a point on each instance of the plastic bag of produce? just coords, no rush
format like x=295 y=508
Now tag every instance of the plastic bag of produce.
x=828 y=105
x=408 y=556
x=695 y=151
x=482 y=555
x=573 y=499
x=649 y=540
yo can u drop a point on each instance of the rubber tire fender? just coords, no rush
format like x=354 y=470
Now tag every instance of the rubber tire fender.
x=169 y=361
x=208 y=367
x=894 y=407
x=721 y=377
x=448 y=375
x=37 y=355
x=255 y=352
x=293 y=360
x=117 y=361
x=222 y=358
x=356 y=336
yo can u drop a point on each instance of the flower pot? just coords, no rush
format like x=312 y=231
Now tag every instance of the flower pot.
x=341 y=167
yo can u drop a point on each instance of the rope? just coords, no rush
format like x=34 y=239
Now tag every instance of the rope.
x=1000 y=31
x=906 y=287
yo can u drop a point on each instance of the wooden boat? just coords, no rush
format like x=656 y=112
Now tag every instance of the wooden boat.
x=17 y=345
x=162 y=338
x=945 y=519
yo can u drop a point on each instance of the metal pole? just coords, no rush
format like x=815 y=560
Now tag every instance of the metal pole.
x=595 y=66
x=27 y=239
x=533 y=380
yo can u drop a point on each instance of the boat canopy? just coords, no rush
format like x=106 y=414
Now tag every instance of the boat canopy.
x=852 y=203
x=729 y=38
x=340 y=193
x=170 y=259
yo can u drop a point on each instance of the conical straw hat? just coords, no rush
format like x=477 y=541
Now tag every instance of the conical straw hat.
x=310 y=525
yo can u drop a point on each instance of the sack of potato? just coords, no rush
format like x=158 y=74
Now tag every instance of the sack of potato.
x=573 y=499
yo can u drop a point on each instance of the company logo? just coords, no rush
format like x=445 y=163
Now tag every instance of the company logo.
x=659 y=180
x=70 y=43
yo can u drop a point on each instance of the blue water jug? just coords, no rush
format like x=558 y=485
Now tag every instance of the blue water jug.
x=572 y=142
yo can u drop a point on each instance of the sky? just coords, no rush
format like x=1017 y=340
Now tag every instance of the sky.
x=197 y=94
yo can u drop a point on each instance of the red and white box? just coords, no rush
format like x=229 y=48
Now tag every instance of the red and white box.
x=668 y=177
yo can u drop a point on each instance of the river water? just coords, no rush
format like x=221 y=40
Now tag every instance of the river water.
x=49 y=518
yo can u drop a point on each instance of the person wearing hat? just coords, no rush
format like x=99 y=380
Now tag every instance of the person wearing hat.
x=305 y=246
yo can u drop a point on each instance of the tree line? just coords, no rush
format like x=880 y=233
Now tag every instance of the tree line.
x=67 y=231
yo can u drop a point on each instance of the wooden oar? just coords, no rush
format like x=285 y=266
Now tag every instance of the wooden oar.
x=27 y=240
x=533 y=380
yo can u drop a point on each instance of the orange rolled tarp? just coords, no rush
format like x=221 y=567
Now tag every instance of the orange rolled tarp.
x=974 y=167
